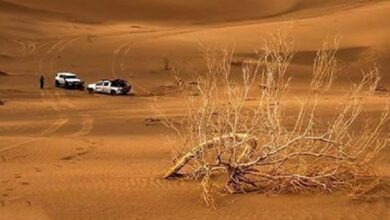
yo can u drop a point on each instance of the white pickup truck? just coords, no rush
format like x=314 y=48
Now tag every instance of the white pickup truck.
x=68 y=81
x=112 y=87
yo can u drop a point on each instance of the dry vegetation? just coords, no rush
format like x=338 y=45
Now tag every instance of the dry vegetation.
x=230 y=144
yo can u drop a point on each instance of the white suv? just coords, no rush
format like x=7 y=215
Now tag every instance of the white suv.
x=68 y=81
x=112 y=87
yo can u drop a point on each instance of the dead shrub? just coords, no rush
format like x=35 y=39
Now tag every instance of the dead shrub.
x=381 y=88
x=234 y=146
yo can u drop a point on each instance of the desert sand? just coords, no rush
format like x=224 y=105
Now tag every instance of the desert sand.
x=66 y=154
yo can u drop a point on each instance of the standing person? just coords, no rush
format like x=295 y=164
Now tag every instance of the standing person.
x=42 y=81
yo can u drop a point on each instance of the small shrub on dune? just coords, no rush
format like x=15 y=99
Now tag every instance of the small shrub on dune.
x=233 y=146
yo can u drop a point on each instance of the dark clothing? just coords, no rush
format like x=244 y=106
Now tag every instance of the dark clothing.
x=42 y=81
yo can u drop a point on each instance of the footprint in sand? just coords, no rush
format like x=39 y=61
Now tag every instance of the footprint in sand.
x=76 y=155
x=18 y=176
x=3 y=203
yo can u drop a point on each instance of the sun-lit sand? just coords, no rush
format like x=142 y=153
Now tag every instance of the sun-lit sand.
x=66 y=154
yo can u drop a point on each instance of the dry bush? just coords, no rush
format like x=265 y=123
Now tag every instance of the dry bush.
x=231 y=145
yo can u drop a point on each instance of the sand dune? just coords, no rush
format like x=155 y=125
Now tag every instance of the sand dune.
x=69 y=155
x=213 y=10
x=14 y=9
x=171 y=10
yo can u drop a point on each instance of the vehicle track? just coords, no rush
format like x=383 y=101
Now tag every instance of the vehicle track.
x=87 y=120
x=52 y=128
x=27 y=47
x=53 y=100
x=87 y=126
x=119 y=63
x=120 y=54
x=62 y=120
x=64 y=104
x=119 y=57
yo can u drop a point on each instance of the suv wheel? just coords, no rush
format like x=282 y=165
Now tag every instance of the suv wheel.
x=112 y=92
x=57 y=84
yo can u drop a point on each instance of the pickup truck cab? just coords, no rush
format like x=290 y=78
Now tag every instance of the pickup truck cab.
x=112 y=87
x=68 y=81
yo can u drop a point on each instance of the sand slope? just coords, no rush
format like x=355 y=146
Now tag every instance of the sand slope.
x=179 y=11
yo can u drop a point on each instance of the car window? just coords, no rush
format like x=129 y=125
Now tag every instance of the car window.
x=119 y=84
x=106 y=83
x=115 y=84
x=99 y=83
x=70 y=77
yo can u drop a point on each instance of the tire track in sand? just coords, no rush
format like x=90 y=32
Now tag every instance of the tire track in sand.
x=118 y=64
x=86 y=126
x=53 y=127
x=47 y=98
x=120 y=54
x=57 y=102
x=87 y=121
x=65 y=104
